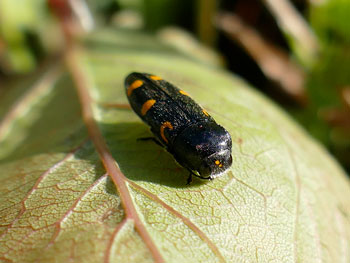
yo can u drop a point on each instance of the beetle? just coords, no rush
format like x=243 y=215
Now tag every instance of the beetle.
x=180 y=125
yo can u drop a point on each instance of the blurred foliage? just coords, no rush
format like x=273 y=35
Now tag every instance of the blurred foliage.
x=330 y=21
x=18 y=21
x=26 y=41
x=327 y=116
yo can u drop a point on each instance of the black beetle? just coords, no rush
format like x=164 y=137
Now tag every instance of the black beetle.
x=180 y=125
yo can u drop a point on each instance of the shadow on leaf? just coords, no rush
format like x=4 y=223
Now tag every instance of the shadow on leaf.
x=143 y=160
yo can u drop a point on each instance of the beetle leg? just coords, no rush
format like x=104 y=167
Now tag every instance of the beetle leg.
x=189 y=179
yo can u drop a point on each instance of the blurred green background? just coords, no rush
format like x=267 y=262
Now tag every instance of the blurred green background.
x=296 y=52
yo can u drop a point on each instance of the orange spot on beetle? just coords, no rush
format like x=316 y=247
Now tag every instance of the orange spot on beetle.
x=155 y=77
x=136 y=84
x=146 y=106
x=168 y=125
x=205 y=112
x=184 y=93
x=217 y=162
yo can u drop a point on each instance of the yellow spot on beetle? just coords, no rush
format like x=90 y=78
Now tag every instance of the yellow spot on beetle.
x=184 y=93
x=155 y=77
x=165 y=125
x=205 y=112
x=217 y=162
x=146 y=106
x=136 y=84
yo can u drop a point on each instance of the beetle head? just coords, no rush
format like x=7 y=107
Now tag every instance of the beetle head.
x=204 y=148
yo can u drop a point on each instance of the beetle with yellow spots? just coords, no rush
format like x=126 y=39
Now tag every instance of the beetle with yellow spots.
x=180 y=125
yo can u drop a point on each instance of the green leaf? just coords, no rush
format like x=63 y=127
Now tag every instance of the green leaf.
x=17 y=20
x=284 y=199
x=331 y=22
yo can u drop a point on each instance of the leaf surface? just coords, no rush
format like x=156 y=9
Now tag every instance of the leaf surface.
x=284 y=199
